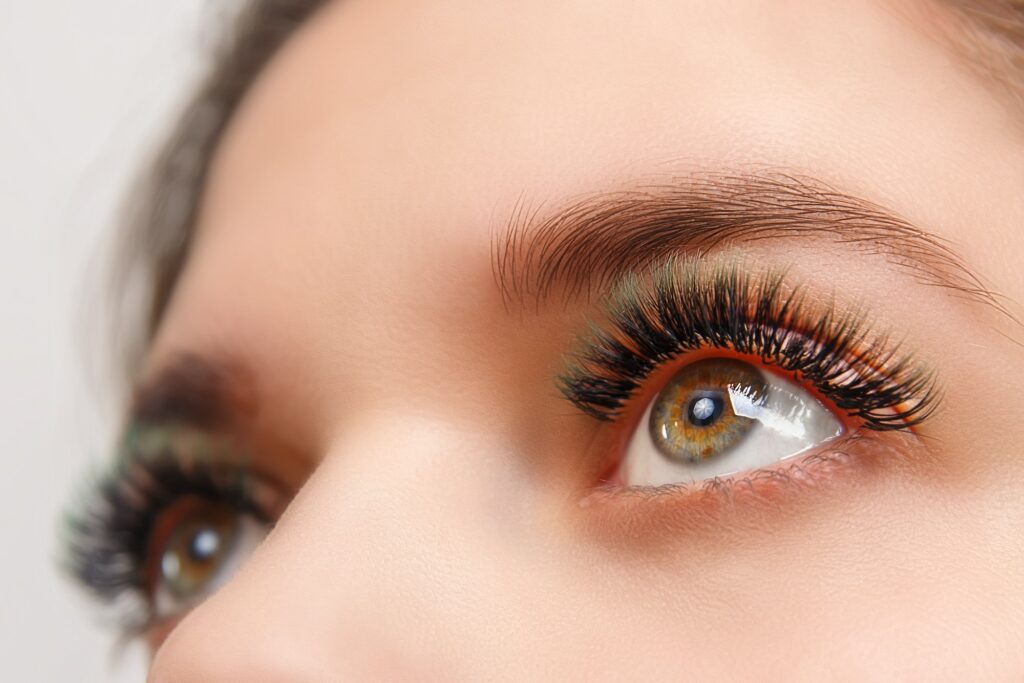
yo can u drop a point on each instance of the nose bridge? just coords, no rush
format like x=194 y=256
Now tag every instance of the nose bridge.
x=405 y=519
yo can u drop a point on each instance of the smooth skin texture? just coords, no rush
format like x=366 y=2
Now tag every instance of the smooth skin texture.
x=344 y=258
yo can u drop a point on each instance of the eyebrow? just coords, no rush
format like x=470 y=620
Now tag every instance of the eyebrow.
x=591 y=242
x=194 y=390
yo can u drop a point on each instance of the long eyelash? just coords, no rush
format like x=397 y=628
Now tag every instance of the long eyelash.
x=106 y=540
x=687 y=305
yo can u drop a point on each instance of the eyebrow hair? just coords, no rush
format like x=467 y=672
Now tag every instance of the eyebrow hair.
x=595 y=240
x=196 y=391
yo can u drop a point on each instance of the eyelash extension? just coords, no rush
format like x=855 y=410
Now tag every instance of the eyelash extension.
x=687 y=305
x=107 y=539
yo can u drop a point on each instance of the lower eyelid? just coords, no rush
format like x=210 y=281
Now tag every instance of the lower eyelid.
x=853 y=459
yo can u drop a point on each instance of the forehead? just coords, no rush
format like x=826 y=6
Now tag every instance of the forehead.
x=372 y=162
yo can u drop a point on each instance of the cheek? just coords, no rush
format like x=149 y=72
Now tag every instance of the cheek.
x=730 y=575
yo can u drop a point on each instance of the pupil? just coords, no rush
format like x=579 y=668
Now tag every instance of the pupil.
x=205 y=545
x=704 y=410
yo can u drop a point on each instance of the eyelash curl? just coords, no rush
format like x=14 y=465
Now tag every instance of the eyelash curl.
x=687 y=304
x=107 y=538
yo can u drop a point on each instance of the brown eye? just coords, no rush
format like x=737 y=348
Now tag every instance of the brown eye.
x=721 y=416
x=693 y=418
x=196 y=545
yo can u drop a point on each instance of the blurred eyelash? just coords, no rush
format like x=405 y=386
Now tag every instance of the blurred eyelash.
x=687 y=305
x=107 y=536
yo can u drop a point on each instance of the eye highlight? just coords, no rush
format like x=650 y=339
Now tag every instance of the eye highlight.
x=720 y=416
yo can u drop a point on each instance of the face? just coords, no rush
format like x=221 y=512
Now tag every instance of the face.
x=596 y=340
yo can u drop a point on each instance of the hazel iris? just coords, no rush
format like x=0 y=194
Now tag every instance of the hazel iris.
x=202 y=536
x=693 y=418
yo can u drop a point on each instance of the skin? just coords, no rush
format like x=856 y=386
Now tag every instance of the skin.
x=436 y=530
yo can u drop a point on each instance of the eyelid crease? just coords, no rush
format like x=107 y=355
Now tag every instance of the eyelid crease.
x=688 y=305
x=596 y=240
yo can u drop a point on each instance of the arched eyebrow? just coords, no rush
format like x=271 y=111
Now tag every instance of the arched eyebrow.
x=593 y=241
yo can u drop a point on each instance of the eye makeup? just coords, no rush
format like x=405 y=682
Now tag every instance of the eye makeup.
x=115 y=538
x=689 y=304
x=869 y=391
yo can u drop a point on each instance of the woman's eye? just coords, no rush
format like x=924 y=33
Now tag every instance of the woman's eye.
x=723 y=416
x=196 y=546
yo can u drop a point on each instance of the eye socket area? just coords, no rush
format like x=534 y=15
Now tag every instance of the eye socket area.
x=719 y=416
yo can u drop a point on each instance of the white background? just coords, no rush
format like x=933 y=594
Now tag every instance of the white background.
x=86 y=88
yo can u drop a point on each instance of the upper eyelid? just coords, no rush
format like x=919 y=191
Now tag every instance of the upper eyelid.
x=596 y=240
x=860 y=371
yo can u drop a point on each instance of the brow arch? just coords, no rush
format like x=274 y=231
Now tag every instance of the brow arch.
x=593 y=240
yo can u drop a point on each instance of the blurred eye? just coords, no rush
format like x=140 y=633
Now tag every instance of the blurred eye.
x=197 y=545
x=723 y=416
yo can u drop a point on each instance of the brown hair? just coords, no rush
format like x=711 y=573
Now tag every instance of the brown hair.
x=989 y=34
x=161 y=222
